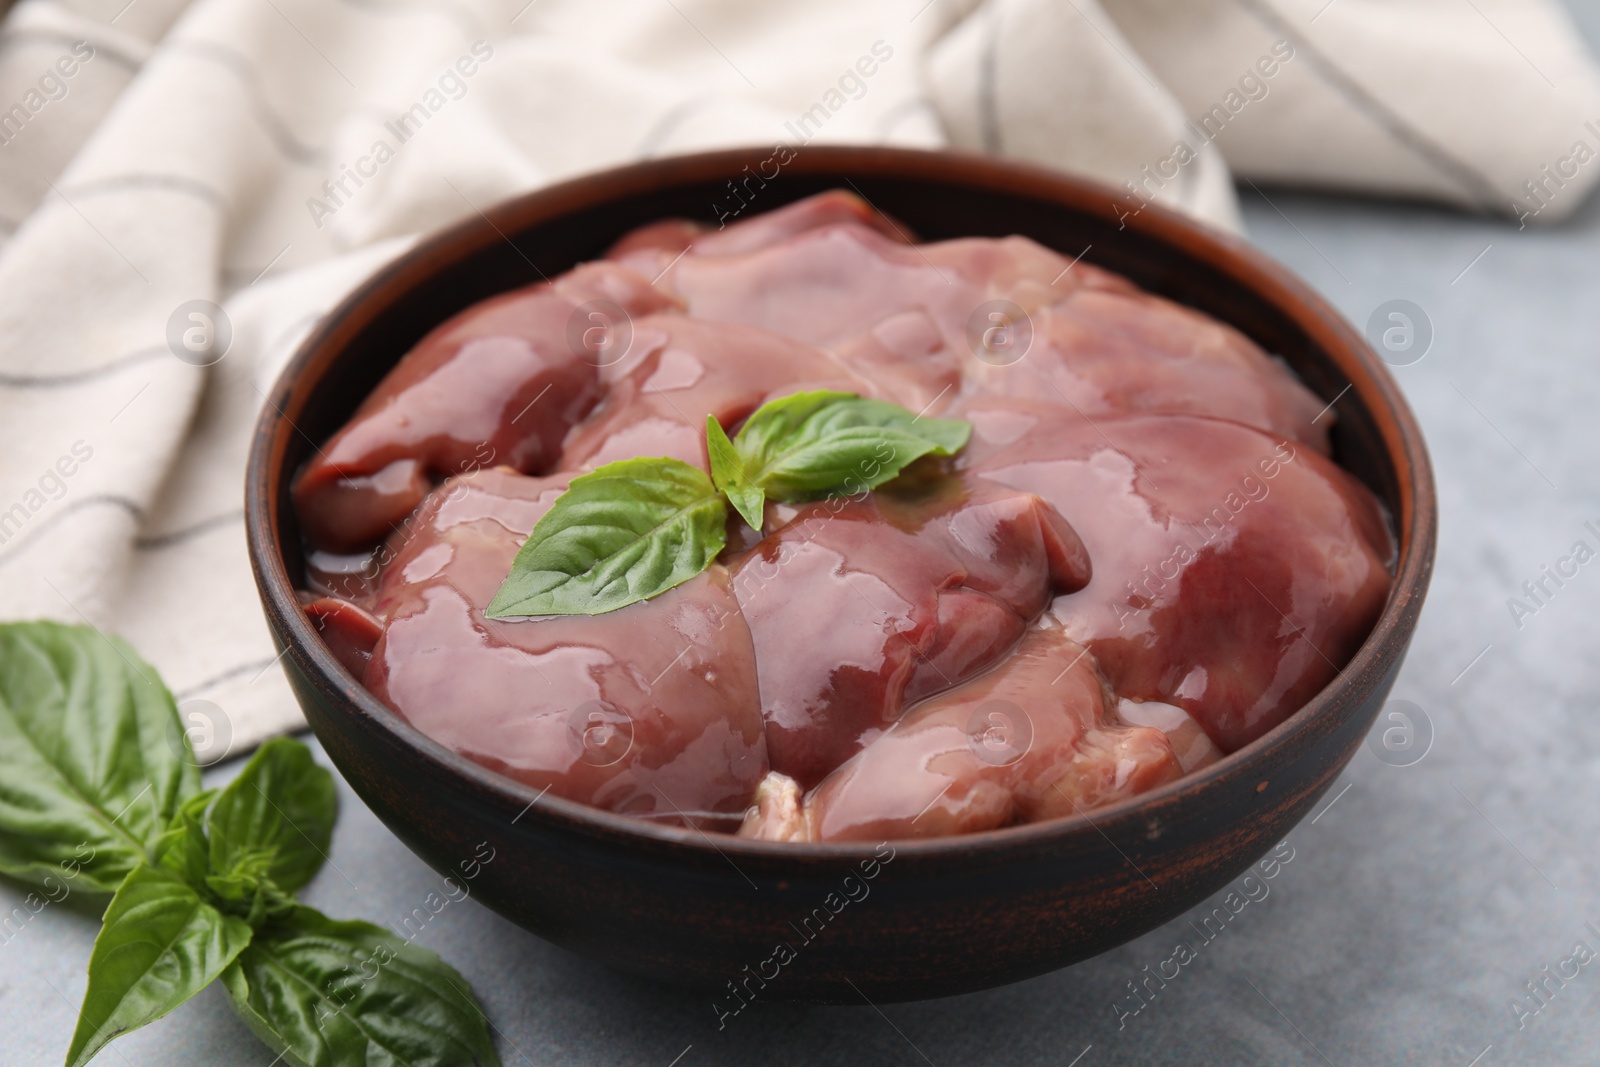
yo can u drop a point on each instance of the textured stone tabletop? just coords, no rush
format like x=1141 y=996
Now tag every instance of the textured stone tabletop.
x=1419 y=901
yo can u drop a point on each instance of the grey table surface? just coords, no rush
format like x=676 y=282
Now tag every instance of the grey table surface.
x=1420 y=899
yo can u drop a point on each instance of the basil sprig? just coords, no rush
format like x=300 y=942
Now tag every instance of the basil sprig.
x=820 y=444
x=634 y=529
x=99 y=790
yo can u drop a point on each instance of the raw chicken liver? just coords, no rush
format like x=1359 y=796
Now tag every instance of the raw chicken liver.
x=500 y=383
x=861 y=606
x=652 y=710
x=1030 y=740
x=1142 y=560
x=1234 y=573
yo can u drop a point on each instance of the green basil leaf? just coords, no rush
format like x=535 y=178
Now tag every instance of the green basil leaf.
x=621 y=534
x=160 y=945
x=350 y=994
x=728 y=474
x=183 y=849
x=255 y=900
x=824 y=443
x=93 y=758
x=273 y=822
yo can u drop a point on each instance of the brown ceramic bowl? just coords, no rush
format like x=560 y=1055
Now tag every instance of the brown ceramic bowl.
x=943 y=916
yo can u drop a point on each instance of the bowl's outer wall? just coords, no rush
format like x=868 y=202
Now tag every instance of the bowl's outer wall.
x=940 y=917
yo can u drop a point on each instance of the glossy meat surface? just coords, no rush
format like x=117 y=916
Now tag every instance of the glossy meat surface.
x=1030 y=740
x=652 y=249
x=652 y=710
x=501 y=383
x=1234 y=573
x=987 y=317
x=677 y=371
x=1142 y=560
x=861 y=606
x=1101 y=351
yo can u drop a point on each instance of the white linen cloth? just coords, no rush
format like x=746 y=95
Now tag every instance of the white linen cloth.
x=204 y=151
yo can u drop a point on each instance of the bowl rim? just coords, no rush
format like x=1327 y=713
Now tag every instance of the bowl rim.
x=1415 y=526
